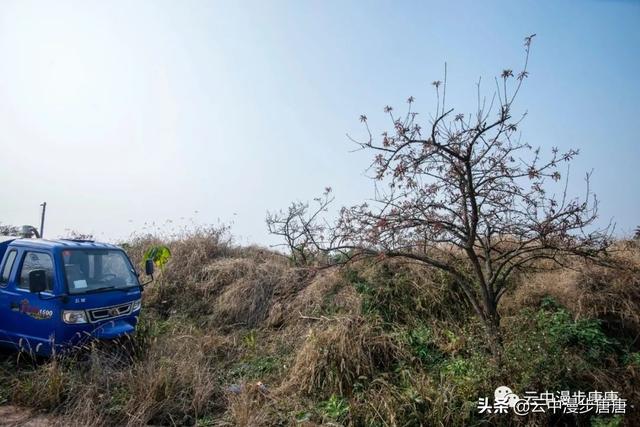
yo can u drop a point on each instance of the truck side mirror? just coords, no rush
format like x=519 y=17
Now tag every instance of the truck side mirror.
x=37 y=281
x=148 y=267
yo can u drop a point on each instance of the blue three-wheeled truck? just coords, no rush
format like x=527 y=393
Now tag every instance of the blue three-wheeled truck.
x=58 y=294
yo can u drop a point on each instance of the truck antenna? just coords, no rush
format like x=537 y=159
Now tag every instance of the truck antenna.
x=44 y=209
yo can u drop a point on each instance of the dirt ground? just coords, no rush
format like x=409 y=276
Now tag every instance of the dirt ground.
x=15 y=416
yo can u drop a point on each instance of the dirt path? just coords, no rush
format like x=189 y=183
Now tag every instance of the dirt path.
x=15 y=416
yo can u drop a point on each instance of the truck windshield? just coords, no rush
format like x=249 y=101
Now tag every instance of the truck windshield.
x=92 y=270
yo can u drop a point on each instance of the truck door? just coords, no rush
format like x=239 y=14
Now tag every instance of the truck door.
x=7 y=268
x=32 y=318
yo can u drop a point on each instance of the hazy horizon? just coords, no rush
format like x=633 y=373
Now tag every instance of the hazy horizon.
x=126 y=115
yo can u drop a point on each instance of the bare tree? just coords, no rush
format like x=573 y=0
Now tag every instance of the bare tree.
x=298 y=229
x=463 y=195
x=76 y=235
x=9 y=230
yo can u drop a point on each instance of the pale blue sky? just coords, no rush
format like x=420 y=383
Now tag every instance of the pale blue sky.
x=121 y=113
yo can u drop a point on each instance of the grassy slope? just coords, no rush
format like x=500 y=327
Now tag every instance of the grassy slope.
x=236 y=336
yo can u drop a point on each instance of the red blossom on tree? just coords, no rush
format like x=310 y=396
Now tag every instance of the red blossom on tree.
x=466 y=197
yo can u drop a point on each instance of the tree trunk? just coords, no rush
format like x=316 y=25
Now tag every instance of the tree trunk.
x=494 y=338
x=492 y=328
x=487 y=311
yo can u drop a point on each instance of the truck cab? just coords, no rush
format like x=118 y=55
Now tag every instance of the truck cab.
x=57 y=294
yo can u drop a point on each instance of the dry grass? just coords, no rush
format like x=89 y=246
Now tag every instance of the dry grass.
x=247 y=408
x=249 y=300
x=392 y=343
x=610 y=293
x=340 y=352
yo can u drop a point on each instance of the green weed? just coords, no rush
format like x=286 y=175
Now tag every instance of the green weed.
x=334 y=409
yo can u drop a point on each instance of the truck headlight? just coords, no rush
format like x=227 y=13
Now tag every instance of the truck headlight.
x=135 y=306
x=74 y=316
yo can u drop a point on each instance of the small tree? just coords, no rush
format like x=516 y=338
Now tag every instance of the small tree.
x=9 y=230
x=463 y=195
x=300 y=230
